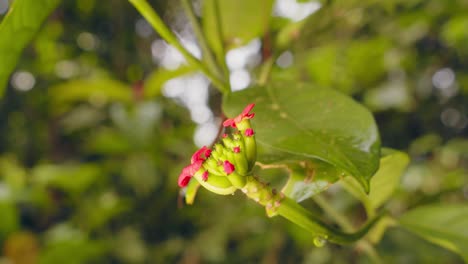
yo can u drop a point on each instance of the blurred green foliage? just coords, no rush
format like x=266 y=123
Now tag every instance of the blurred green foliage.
x=89 y=159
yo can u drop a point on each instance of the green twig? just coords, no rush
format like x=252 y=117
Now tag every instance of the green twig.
x=153 y=18
x=339 y=218
x=302 y=217
x=210 y=60
x=265 y=71
x=344 y=223
x=276 y=204
x=371 y=252
x=221 y=53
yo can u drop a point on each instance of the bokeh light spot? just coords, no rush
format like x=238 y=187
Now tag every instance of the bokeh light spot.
x=143 y=28
x=239 y=79
x=23 y=81
x=87 y=41
x=4 y=5
x=206 y=133
x=66 y=69
x=294 y=10
x=450 y=117
x=285 y=59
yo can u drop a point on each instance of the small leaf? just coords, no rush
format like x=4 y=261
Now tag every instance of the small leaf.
x=17 y=29
x=107 y=141
x=72 y=178
x=98 y=91
x=443 y=224
x=95 y=211
x=296 y=121
x=454 y=33
x=62 y=241
x=140 y=172
x=383 y=183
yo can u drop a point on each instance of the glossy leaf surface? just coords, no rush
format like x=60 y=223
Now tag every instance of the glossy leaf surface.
x=303 y=122
x=442 y=224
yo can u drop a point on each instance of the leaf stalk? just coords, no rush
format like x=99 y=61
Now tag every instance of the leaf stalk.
x=145 y=9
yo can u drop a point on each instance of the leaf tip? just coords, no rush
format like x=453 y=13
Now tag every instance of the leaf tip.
x=365 y=183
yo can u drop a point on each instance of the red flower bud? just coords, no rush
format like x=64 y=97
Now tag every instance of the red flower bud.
x=244 y=115
x=204 y=151
x=228 y=167
x=188 y=172
x=249 y=132
x=236 y=149
x=205 y=176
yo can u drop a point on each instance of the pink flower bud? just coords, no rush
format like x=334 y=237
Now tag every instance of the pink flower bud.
x=188 y=172
x=249 y=132
x=198 y=155
x=236 y=149
x=228 y=167
x=244 y=115
x=205 y=176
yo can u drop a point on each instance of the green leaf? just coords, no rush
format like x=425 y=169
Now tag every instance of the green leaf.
x=107 y=141
x=298 y=121
x=241 y=21
x=454 y=33
x=10 y=219
x=345 y=65
x=69 y=177
x=442 y=224
x=63 y=240
x=95 y=211
x=12 y=173
x=140 y=172
x=383 y=183
x=16 y=31
x=97 y=91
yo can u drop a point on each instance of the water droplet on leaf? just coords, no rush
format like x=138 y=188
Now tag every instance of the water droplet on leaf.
x=320 y=241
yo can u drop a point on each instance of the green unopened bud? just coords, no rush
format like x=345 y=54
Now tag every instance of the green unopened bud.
x=230 y=156
x=216 y=184
x=212 y=166
x=228 y=142
x=218 y=147
x=237 y=137
x=237 y=180
x=250 y=147
x=218 y=152
x=191 y=191
x=243 y=125
x=240 y=160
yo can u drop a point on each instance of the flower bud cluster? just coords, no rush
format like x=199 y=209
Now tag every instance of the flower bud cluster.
x=223 y=169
